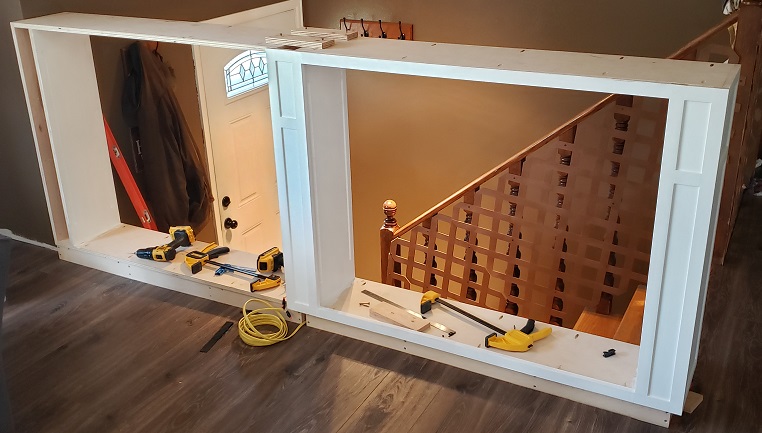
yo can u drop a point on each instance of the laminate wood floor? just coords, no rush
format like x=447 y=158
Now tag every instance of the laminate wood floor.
x=87 y=351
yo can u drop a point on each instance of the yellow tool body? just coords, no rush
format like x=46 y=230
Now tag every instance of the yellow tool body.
x=270 y=261
x=182 y=236
x=265 y=283
x=196 y=259
x=517 y=340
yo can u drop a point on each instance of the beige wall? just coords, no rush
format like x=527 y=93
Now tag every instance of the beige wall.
x=418 y=140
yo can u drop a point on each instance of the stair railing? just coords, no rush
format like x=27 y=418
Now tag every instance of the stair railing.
x=564 y=225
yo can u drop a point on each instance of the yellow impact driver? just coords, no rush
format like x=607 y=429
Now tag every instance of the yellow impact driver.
x=182 y=236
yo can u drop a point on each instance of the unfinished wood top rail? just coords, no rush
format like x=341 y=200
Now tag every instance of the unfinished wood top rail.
x=679 y=54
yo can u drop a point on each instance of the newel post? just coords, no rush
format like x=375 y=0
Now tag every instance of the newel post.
x=387 y=235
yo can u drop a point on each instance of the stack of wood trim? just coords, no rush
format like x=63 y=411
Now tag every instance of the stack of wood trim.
x=299 y=42
x=337 y=35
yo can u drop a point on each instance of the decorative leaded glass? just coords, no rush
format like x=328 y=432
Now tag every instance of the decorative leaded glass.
x=245 y=72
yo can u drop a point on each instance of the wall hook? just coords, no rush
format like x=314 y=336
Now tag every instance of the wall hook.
x=402 y=35
x=364 y=30
x=344 y=20
x=383 y=33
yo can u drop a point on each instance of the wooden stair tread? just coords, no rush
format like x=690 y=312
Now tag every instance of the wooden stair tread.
x=599 y=324
x=630 y=328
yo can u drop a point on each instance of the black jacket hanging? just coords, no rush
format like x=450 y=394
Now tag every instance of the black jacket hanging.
x=176 y=184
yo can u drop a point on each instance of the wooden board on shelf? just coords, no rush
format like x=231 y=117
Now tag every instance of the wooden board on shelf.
x=315 y=32
x=389 y=313
x=314 y=43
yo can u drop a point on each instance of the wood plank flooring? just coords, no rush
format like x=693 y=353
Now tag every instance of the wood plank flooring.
x=86 y=351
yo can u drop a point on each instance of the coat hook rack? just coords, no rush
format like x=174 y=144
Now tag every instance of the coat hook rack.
x=378 y=28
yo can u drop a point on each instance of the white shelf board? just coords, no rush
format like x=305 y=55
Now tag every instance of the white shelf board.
x=584 y=71
x=122 y=242
x=565 y=349
x=413 y=57
x=181 y=32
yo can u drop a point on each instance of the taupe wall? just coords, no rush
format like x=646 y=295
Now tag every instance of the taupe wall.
x=418 y=140
x=22 y=201
x=110 y=75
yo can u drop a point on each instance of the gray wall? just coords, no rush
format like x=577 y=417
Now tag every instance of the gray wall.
x=22 y=201
x=418 y=140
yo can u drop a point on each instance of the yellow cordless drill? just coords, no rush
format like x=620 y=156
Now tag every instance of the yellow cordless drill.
x=182 y=236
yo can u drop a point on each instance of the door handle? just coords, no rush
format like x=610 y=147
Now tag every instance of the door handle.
x=225 y=201
x=230 y=223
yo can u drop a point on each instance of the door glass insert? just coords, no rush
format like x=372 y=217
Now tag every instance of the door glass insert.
x=246 y=72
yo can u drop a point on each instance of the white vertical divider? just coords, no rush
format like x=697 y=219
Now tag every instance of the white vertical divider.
x=325 y=102
x=311 y=138
x=292 y=171
x=695 y=143
x=75 y=125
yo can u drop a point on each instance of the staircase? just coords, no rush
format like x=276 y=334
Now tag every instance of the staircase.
x=561 y=232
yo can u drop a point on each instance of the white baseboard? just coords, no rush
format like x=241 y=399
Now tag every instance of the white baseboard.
x=9 y=234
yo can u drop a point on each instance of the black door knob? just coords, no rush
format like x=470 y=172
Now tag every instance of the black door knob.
x=230 y=223
x=225 y=201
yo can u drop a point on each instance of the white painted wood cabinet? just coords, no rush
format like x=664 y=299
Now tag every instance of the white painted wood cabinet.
x=311 y=143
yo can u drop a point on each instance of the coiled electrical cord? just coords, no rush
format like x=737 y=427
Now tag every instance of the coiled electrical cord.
x=266 y=316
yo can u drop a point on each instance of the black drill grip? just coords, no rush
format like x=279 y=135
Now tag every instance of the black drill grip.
x=213 y=254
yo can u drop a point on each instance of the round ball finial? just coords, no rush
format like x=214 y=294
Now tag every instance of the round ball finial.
x=390 y=208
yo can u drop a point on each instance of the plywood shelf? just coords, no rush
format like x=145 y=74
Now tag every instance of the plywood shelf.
x=565 y=349
x=118 y=247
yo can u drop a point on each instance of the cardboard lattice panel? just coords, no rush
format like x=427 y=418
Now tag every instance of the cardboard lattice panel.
x=567 y=227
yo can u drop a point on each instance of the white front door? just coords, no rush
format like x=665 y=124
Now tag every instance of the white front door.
x=238 y=129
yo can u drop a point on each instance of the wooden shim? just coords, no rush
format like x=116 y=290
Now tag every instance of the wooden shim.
x=299 y=41
x=315 y=32
x=692 y=400
x=389 y=313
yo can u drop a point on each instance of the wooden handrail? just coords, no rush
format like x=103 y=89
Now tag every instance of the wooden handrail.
x=722 y=26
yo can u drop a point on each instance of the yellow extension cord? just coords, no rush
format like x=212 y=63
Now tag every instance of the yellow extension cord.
x=269 y=315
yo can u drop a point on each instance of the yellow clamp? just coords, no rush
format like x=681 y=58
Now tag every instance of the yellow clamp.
x=517 y=340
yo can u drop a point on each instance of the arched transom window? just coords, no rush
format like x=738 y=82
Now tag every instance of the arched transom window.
x=247 y=71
